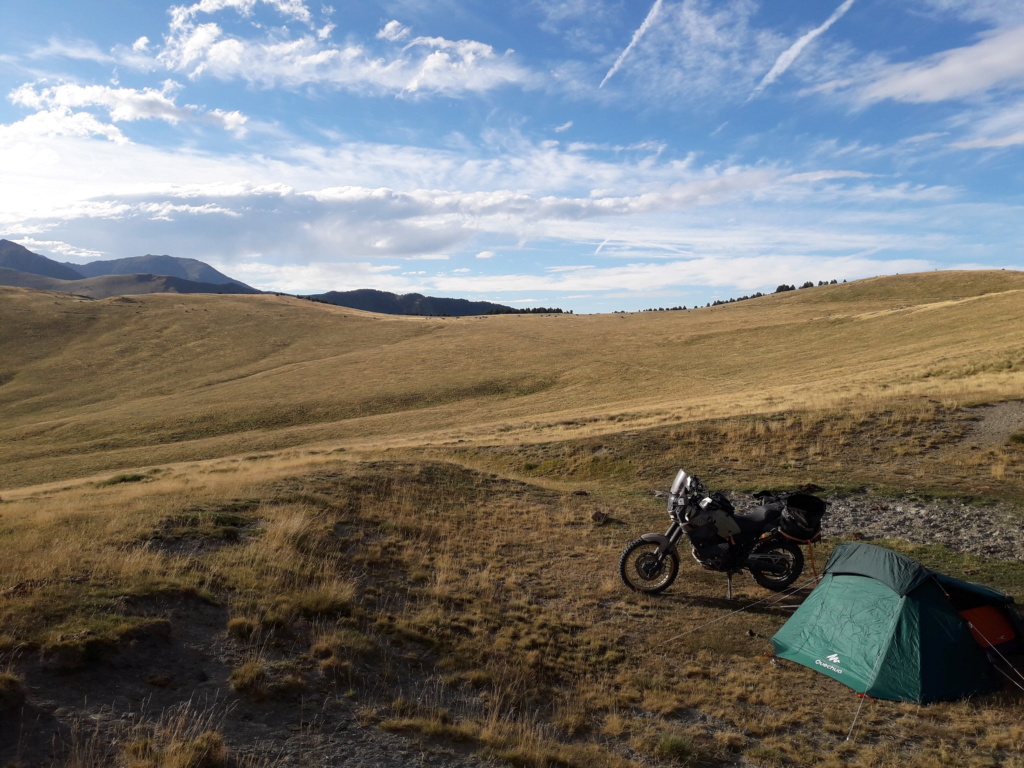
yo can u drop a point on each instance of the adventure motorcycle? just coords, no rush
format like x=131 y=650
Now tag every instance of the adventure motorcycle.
x=764 y=542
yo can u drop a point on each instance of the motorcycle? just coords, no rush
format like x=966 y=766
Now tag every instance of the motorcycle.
x=764 y=542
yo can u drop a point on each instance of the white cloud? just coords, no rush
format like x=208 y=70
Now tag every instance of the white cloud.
x=423 y=65
x=702 y=52
x=58 y=247
x=392 y=31
x=319 y=276
x=637 y=36
x=1002 y=127
x=121 y=104
x=57 y=122
x=1002 y=13
x=993 y=142
x=787 y=57
x=747 y=273
x=73 y=49
x=993 y=62
x=295 y=9
x=287 y=203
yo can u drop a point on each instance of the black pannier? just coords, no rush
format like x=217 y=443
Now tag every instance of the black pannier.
x=801 y=518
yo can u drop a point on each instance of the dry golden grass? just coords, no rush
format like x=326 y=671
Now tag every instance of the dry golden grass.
x=118 y=384
x=469 y=608
x=384 y=508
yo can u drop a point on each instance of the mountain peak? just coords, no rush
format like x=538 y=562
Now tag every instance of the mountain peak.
x=16 y=256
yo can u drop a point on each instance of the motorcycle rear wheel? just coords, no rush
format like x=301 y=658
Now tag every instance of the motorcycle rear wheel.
x=784 y=552
x=641 y=570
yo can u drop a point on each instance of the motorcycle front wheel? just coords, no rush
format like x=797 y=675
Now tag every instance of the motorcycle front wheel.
x=644 y=569
x=788 y=559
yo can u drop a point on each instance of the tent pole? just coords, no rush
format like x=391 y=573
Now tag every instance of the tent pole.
x=728 y=586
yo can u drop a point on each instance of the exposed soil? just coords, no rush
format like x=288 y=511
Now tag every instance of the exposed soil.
x=75 y=714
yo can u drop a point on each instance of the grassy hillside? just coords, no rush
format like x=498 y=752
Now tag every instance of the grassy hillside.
x=122 y=383
x=223 y=516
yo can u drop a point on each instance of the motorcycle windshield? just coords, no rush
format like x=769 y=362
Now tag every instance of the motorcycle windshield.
x=680 y=482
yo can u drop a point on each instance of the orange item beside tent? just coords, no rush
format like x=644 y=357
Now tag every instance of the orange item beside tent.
x=989 y=626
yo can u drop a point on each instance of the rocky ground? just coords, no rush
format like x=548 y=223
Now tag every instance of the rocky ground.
x=994 y=532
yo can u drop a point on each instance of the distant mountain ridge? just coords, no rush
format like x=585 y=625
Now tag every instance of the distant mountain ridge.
x=21 y=268
x=387 y=303
x=172 y=266
x=105 y=286
x=17 y=257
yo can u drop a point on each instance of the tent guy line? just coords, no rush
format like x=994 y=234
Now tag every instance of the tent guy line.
x=767 y=600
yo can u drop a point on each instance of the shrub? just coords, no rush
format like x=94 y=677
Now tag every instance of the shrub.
x=675 y=747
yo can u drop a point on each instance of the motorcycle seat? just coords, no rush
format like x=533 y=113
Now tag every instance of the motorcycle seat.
x=759 y=518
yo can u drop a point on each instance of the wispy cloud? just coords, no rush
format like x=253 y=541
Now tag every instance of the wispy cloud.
x=786 y=59
x=747 y=273
x=637 y=35
x=991 y=63
x=1004 y=127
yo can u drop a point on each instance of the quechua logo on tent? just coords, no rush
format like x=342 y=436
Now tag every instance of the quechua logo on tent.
x=834 y=658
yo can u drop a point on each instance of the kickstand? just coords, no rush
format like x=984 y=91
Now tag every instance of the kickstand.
x=728 y=586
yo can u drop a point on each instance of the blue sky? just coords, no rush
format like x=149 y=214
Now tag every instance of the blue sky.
x=595 y=155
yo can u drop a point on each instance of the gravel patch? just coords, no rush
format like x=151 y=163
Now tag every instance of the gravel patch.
x=996 y=423
x=994 y=531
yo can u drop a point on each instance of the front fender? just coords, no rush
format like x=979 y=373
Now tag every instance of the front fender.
x=665 y=544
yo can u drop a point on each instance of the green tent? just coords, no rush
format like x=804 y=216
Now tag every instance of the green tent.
x=886 y=626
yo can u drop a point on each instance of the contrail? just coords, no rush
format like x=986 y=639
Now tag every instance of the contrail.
x=640 y=32
x=789 y=55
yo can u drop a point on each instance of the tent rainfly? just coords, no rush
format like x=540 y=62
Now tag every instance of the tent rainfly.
x=890 y=628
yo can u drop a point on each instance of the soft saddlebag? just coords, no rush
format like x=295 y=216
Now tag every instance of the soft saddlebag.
x=801 y=518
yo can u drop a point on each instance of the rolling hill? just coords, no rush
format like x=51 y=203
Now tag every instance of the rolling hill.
x=103 y=384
